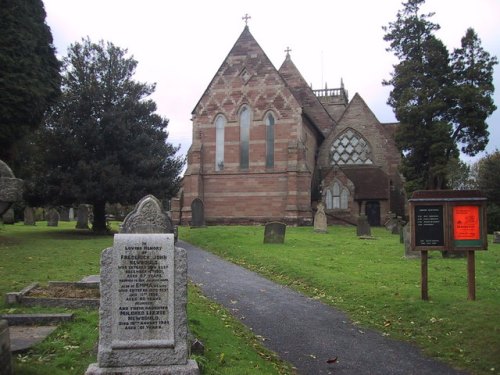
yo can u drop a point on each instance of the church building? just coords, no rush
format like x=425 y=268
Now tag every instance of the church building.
x=266 y=147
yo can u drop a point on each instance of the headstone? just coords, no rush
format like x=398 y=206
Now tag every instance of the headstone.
x=363 y=229
x=82 y=220
x=407 y=242
x=52 y=217
x=11 y=188
x=143 y=319
x=5 y=354
x=64 y=213
x=29 y=216
x=274 y=232
x=71 y=214
x=496 y=237
x=197 y=213
x=391 y=222
x=320 y=222
x=39 y=214
x=8 y=217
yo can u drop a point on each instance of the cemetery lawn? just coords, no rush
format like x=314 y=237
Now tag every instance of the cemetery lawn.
x=380 y=289
x=40 y=254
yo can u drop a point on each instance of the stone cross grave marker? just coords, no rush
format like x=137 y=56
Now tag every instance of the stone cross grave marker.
x=143 y=319
x=320 y=223
x=274 y=232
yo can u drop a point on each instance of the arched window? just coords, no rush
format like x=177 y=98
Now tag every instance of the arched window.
x=337 y=197
x=269 y=140
x=220 y=123
x=244 y=137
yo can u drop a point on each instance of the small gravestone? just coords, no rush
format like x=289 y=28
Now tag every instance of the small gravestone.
x=9 y=217
x=197 y=213
x=496 y=237
x=29 y=216
x=407 y=242
x=274 y=232
x=52 y=217
x=71 y=214
x=82 y=219
x=363 y=229
x=64 y=213
x=5 y=354
x=143 y=319
x=320 y=223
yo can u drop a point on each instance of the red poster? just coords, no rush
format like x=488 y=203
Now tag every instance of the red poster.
x=466 y=223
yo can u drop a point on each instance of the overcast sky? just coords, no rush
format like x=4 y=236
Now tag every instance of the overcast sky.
x=180 y=45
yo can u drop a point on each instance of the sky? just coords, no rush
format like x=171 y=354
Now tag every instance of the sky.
x=180 y=45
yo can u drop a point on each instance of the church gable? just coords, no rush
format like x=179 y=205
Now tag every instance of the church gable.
x=246 y=76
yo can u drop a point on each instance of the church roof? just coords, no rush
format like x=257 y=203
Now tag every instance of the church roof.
x=311 y=105
x=369 y=182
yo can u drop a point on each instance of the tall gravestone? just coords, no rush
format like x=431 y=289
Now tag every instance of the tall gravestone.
x=53 y=217
x=363 y=228
x=320 y=222
x=143 y=320
x=29 y=216
x=82 y=219
x=197 y=213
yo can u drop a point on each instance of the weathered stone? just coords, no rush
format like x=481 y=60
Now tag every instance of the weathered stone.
x=52 y=217
x=82 y=220
x=496 y=237
x=407 y=242
x=197 y=213
x=5 y=355
x=29 y=216
x=11 y=188
x=320 y=222
x=147 y=217
x=363 y=229
x=8 y=217
x=64 y=213
x=274 y=232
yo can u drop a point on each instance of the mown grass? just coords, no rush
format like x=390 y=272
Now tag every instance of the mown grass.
x=41 y=254
x=373 y=282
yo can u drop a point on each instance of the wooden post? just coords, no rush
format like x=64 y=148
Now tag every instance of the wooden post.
x=471 y=276
x=424 y=281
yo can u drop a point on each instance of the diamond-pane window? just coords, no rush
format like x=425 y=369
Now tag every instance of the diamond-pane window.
x=350 y=148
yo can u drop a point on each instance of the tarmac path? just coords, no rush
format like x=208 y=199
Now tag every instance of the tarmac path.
x=303 y=331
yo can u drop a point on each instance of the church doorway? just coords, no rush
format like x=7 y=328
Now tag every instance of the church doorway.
x=372 y=211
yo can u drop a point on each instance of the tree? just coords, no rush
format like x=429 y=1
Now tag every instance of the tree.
x=429 y=98
x=103 y=142
x=29 y=71
x=488 y=180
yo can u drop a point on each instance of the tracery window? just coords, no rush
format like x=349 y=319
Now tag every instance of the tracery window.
x=269 y=140
x=337 y=197
x=220 y=123
x=244 y=137
x=351 y=148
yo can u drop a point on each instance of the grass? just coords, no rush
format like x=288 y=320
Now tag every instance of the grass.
x=41 y=254
x=373 y=282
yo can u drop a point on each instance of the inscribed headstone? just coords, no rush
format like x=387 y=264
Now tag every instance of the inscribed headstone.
x=320 y=222
x=29 y=216
x=197 y=213
x=52 y=217
x=274 y=232
x=363 y=228
x=82 y=220
x=143 y=319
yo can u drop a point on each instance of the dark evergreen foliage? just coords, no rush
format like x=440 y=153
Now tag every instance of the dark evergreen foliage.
x=439 y=101
x=29 y=71
x=104 y=142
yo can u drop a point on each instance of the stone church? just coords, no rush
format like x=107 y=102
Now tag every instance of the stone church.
x=266 y=147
